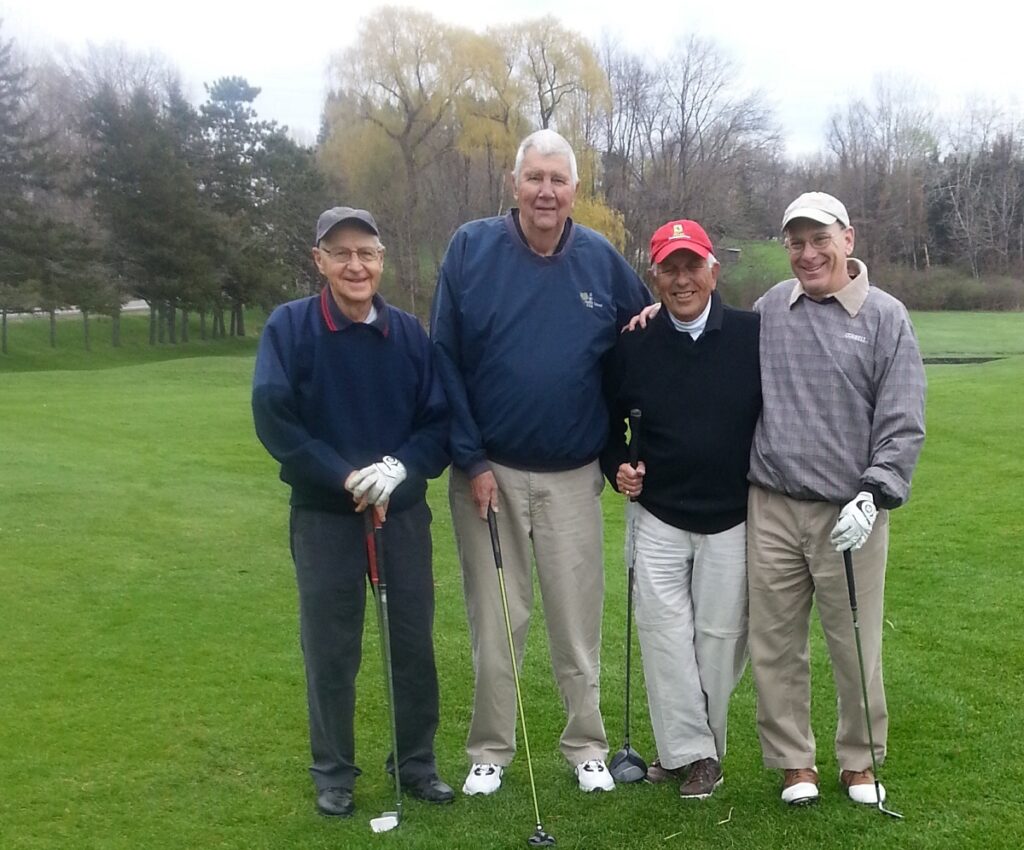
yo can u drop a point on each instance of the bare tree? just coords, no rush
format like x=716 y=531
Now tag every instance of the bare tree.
x=883 y=152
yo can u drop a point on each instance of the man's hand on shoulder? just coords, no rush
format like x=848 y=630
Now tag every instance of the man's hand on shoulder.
x=641 y=319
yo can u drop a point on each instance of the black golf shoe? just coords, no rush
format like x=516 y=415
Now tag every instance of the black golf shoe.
x=430 y=789
x=335 y=803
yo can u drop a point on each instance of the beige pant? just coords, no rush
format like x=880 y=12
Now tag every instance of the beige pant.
x=789 y=561
x=558 y=515
x=691 y=618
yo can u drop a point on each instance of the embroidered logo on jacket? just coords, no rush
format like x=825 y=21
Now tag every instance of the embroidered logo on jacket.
x=588 y=300
x=855 y=337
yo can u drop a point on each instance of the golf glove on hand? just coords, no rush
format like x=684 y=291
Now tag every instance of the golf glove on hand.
x=855 y=522
x=376 y=482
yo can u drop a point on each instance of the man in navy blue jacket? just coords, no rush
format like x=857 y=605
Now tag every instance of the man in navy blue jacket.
x=526 y=307
x=346 y=398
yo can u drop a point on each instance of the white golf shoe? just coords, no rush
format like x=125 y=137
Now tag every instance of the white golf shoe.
x=800 y=786
x=594 y=776
x=860 y=785
x=483 y=779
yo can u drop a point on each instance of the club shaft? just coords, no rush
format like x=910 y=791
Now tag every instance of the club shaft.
x=852 y=587
x=629 y=610
x=378 y=578
x=492 y=522
x=635 y=418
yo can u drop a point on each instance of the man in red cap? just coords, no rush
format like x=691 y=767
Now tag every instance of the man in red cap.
x=694 y=373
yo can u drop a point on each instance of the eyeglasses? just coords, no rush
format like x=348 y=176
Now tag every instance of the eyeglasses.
x=819 y=242
x=344 y=255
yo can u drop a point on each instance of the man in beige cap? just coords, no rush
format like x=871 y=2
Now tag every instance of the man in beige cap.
x=835 y=447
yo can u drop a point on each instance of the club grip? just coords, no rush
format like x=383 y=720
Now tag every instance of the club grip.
x=634 y=436
x=371 y=546
x=492 y=524
x=850 y=584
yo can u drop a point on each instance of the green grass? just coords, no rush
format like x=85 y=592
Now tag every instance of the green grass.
x=955 y=333
x=29 y=347
x=152 y=692
x=760 y=264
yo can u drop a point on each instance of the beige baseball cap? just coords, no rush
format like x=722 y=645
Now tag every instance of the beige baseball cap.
x=817 y=206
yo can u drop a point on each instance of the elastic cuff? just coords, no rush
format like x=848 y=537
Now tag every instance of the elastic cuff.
x=882 y=502
x=477 y=468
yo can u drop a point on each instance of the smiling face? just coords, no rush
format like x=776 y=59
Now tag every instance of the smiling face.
x=352 y=261
x=818 y=255
x=545 y=192
x=685 y=283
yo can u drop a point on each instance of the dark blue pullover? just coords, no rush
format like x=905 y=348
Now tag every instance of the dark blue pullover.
x=520 y=339
x=330 y=396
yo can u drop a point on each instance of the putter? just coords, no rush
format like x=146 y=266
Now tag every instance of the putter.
x=627 y=765
x=378 y=580
x=540 y=838
x=851 y=586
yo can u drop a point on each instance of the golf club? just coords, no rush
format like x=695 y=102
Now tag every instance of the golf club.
x=540 y=838
x=851 y=586
x=378 y=580
x=627 y=765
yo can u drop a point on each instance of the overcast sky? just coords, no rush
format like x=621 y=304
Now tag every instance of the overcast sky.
x=808 y=58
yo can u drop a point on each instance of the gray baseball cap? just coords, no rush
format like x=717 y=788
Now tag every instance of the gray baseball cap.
x=336 y=215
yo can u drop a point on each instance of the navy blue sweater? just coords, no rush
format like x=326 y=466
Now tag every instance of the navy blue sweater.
x=520 y=339
x=330 y=396
x=699 y=400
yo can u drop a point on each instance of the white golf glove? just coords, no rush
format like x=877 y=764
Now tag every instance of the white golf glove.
x=855 y=522
x=375 y=483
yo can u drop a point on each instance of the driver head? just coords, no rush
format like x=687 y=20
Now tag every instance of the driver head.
x=627 y=765
x=541 y=839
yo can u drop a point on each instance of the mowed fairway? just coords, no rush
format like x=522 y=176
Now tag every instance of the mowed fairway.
x=152 y=693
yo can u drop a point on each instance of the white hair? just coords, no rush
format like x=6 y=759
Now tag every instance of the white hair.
x=546 y=143
x=712 y=262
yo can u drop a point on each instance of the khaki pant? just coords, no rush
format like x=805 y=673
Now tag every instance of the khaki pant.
x=789 y=561
x=691 y=618
x=558 y=515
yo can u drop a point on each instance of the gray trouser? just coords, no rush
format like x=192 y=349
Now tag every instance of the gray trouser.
x=691 y=618
x=329 y=551
x=789 y=562
x=558 y=515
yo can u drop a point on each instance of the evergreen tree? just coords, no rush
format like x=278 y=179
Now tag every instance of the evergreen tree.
x=23 y=168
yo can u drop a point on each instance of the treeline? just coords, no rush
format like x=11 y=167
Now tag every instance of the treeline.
x=113 y=186
x=424 y=118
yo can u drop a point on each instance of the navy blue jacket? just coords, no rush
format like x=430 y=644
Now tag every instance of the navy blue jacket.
x=330 y=396
x=699 y=402
x=520 y=340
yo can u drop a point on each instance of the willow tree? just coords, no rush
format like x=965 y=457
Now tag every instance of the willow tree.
x=405 y=73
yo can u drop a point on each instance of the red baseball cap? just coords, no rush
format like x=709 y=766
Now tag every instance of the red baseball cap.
x=682 y=235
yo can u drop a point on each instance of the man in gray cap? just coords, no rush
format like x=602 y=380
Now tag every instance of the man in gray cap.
x=346 y=398
x=835 y=447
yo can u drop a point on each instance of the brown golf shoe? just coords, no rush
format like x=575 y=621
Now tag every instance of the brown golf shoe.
x=657 y=774
x=800 y=786
x=860 y=786
x=702 y=778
